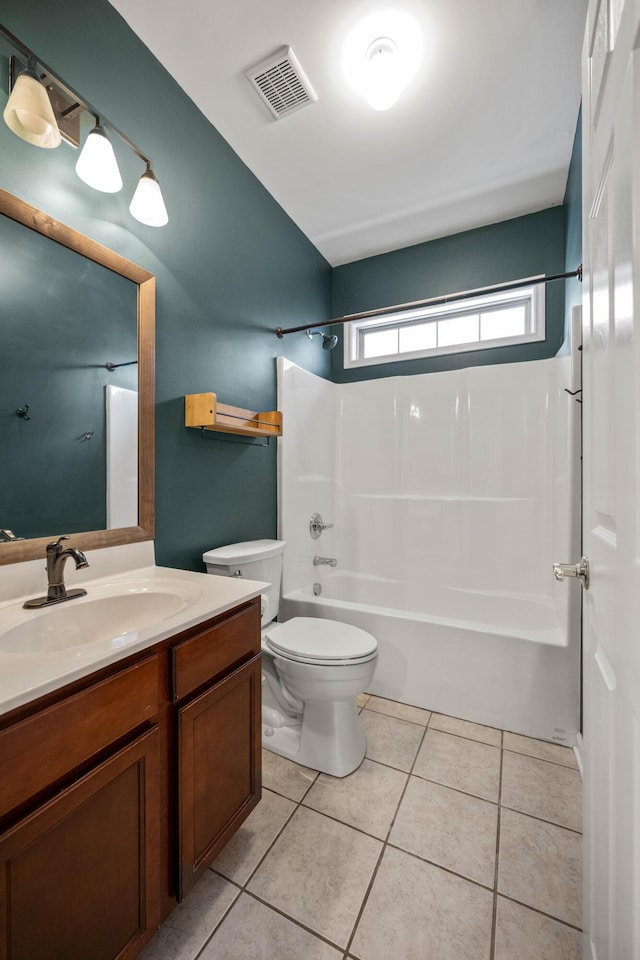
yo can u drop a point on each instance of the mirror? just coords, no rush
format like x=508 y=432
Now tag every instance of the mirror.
x=69 y=307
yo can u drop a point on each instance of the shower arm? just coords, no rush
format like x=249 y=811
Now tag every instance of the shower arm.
x=429 y=302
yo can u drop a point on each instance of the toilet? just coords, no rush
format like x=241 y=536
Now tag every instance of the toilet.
x=312 y=669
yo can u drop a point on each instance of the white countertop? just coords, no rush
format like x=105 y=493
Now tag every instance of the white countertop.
x=25 y=676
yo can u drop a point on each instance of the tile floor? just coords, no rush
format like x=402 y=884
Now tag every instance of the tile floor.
x=452 y=841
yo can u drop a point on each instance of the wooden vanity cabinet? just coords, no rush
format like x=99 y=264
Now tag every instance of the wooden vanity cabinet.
x=79 y=800
x=118 y=790
x=218 y=737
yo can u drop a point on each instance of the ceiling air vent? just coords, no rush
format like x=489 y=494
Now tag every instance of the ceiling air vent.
x=281 y=83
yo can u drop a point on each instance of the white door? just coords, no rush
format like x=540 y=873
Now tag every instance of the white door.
x=611 y=409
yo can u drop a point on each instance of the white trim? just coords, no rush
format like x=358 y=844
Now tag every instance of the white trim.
x=535 y=294
x=577 y=751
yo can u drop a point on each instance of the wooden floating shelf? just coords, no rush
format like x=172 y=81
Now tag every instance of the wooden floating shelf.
x=202 y=410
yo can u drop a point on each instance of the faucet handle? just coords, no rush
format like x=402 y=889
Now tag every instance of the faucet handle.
x=317 y=525
x=54 y=546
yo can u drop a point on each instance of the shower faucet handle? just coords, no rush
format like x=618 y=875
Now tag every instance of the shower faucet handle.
x=317 y=525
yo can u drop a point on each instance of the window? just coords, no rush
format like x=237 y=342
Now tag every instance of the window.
x=478 y=323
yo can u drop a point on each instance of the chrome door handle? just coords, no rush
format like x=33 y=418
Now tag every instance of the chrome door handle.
x=580 y=570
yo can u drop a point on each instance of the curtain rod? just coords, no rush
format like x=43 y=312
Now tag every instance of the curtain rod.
x=431 y=301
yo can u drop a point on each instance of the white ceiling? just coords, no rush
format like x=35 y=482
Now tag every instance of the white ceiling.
x=483 y=132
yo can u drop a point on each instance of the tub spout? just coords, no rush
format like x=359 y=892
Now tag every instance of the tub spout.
x=328 y=561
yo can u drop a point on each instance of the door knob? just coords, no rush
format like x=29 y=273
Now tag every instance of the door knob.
x=580 y=570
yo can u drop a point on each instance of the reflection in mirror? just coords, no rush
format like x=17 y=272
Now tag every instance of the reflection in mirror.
x=63 y=318
x=76 y=421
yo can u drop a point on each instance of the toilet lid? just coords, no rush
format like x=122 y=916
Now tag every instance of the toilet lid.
x=321 y=641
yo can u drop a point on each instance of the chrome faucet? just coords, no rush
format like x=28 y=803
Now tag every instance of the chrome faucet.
x=57 y=556
x=321 y=561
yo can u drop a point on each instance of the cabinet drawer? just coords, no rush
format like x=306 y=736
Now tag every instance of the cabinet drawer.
x=197 y=660
x=38 y=751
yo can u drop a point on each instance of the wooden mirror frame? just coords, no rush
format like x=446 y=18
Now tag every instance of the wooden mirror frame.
x=18 y=550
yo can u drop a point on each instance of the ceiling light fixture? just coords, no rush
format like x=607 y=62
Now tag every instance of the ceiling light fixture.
x=381 y=55
x=32 y=114
x=97 y=165
x=29 y=113
x=383 y=77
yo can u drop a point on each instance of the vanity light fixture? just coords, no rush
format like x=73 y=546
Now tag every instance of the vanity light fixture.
x=147 y=204
x=97 y=165
x=29 y=112
x=38 y=113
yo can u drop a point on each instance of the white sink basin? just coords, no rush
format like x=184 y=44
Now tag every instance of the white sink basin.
x=109 y=612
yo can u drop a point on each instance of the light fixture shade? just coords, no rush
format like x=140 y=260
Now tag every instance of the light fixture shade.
x=29 y=112
x=97 y=165
x=383 y=77
x=147 y=204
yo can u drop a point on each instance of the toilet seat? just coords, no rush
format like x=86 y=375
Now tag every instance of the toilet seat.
x=322 y=642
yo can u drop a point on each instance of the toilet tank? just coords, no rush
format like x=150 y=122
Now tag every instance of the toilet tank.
x=252 y=560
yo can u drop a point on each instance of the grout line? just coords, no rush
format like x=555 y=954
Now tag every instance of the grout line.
x=365 y=899
x=298 y=923
x=394 y=716
x=344 y=823
x=409 y=775
x=532 y=816
x=217 y=926
x=434 y=863
x=466 y=793
x=497 y=865
x=541 y=913
x=383 y=764
x=265 y=854
x=461 y=736
x=530 y=756
x=379 y=713
x=243 y=888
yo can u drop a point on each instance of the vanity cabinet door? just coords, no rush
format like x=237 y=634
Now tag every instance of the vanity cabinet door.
x=219 y=759
x=79 y=877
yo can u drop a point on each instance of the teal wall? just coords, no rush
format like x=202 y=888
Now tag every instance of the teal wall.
x=505 y=251
x=230 y=265
x=572 y=210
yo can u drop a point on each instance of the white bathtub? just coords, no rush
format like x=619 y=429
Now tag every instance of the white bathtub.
x=508 y=666
x=450 y=496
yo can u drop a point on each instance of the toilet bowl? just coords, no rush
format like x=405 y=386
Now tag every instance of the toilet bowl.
x=312 y=669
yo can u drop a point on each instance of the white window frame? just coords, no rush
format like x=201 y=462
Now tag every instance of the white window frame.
x=534 y=296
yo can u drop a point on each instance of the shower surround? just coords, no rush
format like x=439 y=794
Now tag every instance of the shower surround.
x=451 y=495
